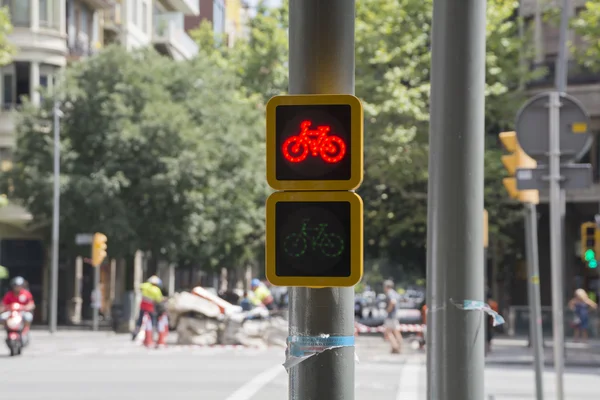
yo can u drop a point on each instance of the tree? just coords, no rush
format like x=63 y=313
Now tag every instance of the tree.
x=149 y=156
x=587 y=26
x=7 y=50
x=392 y=79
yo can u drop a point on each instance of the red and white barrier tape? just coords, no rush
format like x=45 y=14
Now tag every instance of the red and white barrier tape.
x=410 y=328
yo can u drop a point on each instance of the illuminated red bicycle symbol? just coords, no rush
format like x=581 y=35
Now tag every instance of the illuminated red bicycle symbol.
x=332 y=149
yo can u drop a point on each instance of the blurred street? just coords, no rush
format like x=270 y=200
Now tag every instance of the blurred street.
x=89 y=366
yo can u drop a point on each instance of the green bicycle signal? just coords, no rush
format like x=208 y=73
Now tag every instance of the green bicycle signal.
x=315 y=239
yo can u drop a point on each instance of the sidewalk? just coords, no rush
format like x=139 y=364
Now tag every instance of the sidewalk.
x=514 y=351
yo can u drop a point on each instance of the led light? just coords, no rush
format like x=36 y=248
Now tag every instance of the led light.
x=316 y=142
x=590 y=255
x=593 y=264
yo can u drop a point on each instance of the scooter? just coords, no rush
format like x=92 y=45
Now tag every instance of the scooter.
x=14 y=329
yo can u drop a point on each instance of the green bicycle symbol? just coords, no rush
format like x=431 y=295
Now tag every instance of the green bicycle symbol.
x=317 y=238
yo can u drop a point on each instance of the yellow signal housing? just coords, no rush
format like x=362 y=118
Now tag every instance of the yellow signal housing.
x=98 y=249
x=516 y=159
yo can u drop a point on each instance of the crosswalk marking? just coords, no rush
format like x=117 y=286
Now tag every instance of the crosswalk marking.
x=409 y=387
x=132 y=349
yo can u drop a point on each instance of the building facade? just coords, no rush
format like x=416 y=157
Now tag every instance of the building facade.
x=213 y=11
x=580 y=205
x=48 y=34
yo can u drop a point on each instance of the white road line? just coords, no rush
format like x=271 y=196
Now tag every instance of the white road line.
x=248 y=390
x=408 y=387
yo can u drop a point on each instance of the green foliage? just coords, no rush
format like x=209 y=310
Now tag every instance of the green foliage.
x=392 y=79
x=587 y=26
x=7 y=50
x=165 y=158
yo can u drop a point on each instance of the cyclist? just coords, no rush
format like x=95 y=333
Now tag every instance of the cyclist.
x=262 y=295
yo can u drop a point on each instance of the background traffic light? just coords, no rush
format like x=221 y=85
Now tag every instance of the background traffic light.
x=590 y=244
x=517 y=159
x=98 y=249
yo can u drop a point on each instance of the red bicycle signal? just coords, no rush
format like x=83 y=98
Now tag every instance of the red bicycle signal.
x=331 y=149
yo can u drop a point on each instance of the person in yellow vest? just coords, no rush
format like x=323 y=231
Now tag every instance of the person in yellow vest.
x=151 y=297
x=262 y=295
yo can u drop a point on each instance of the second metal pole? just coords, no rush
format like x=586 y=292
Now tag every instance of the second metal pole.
x=535 y=307
x=455 y=339
x=556 y=245
x=55 y=223
x=97 y=298
x=321 y=36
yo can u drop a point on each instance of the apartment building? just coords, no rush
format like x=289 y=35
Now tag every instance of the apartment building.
x=581 y=205
x=139 y=23
x=212 y=11
x=48 y=34
x=169 y=36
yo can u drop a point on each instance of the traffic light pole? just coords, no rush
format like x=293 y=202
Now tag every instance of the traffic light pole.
x=535 y=307
x=455 y=339
x=96 y=297
x=321 y=61
x=556 y=245
x=55 y=223
x=558 y=203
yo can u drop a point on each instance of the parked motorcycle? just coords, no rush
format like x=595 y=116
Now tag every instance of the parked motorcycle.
x=14 y=329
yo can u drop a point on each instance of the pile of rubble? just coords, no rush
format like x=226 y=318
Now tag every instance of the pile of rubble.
x=203 y=318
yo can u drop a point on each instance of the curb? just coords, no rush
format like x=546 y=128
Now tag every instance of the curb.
x=529 y=363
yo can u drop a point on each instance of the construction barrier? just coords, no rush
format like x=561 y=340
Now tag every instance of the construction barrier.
x=404 y=328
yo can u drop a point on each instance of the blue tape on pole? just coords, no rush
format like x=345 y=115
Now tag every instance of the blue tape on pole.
x=303 y=346
x=480 y=305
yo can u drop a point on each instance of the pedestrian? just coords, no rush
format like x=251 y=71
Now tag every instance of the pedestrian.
x=580 y=305
x=391 y=324
x=489 y=326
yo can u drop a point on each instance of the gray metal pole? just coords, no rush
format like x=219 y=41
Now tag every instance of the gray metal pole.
x=561 y=69
x=455 y=354
x=321 y=37
x=55 y=223
x=535 y=306
x=561 y=81
x=556 y=244
x=96 y=297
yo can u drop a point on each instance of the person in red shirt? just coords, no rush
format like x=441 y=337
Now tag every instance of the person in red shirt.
x=19 y=295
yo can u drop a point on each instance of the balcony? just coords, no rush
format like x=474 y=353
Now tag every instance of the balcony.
x=187 y=7
x=113 y=18
x=527 y=7
x=170 y=37
x=577 y=75
x=80 y=46
x=99 y=4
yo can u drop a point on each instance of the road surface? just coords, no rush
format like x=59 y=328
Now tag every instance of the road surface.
x=99 y=366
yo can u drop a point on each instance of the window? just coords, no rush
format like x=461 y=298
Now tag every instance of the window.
x=20 y=11
x=218 y=17
x=134 y=12
x=47 y=14
x=7 y=95
x=145 y=17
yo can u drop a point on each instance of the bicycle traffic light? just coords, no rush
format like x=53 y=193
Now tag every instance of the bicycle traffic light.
x=590 y=244
x=314 y=142
x=98 y=249
x=517 y=159
x=314 y=239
